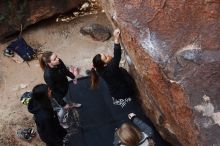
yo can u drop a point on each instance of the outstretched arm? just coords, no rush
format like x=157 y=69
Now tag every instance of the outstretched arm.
x=66 y=71
x=117 y=49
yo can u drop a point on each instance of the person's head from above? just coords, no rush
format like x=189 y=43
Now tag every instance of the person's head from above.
x=41 y=93
x=100 y=60
x=49 y=58
x=129 y=135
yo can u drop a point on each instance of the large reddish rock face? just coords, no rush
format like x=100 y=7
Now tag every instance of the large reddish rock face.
x=175 y=51
x=27 y=12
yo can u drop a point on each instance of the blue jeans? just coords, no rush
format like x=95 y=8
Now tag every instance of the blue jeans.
x=61 y=112
x=64 y=114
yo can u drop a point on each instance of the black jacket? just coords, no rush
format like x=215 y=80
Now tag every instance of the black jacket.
x=56 y=79
x=47 y=122
x=116 y=77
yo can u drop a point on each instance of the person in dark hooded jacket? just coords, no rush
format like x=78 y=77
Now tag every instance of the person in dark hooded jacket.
x=46 y=119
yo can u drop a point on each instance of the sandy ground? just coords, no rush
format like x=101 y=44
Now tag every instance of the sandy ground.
x=62 y=38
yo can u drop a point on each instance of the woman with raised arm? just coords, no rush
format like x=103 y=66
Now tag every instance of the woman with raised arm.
x=120 y=83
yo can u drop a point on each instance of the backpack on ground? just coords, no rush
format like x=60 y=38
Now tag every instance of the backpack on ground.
x=20 y=47
x=25 y=98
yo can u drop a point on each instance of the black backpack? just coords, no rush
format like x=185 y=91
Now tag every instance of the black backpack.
x=22 y=49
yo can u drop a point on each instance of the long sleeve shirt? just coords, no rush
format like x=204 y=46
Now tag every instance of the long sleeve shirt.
x=115 y=77
x=56 y=79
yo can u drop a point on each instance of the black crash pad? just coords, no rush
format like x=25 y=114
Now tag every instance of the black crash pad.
x=98 y=116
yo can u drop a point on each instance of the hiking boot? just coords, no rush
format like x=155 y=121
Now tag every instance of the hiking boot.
x=26 y=133
x=8 y=53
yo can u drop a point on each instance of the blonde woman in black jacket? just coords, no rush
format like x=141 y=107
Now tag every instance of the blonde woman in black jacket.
x=55 y=76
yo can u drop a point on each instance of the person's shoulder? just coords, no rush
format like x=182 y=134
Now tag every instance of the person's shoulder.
x=106 y=71
x=61 y=65
x=110 y=64
x=61 y=61
x=47 y=72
